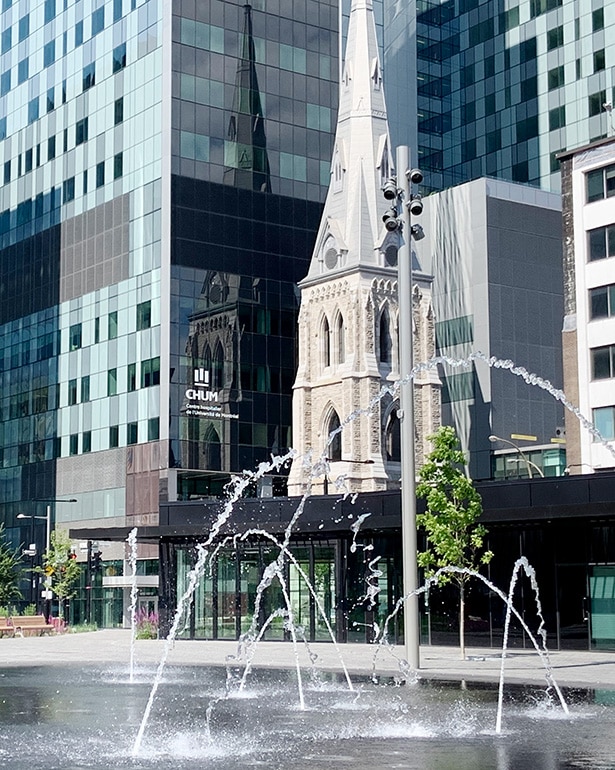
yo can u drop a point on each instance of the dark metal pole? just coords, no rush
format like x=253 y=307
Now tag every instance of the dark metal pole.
x=88 y=585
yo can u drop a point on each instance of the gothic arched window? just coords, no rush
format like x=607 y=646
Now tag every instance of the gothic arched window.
x=325 y=342
x=392 y=439
x=218 y=367
x=385 y=338
x=340 y=333
x=335 y=447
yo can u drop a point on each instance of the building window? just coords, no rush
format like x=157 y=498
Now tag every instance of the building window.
x=81 y=131
x=117 y=10
x=98 y=20
x=85 y=388
x=51 y=148
x=150 y=372
x=131 y=378
x=5 y=40
x=49 y=53
x=600 y=183
x=68 y=190
x=78 y=34
x=50 y=10
x=132 y=433
x=119 y=57
x=602 y=302
x=385 y=341
x=100 y=174
x=118 y=114
x=603 y=362
x=22 y=71
x=88 y=76
x=555 y=38
x=538 y=7
x=601 y=243
x=597 y=19
x=5 y=82
x=72 y=392
x=599 y=60
x=557 y=118
x=28 y=163
x=112 y=382
x=112 y=325
x=604 y=422
x=153 y=429
x=51 y=102
x=596 y=102
x=325 y=344
x=118 y=165
x=97 y=330
x=334 y=450
x=144 y=315
x=73 y=444
x=86 y=441
x=114 y=436
x=24 y=27
x=74 y=338
x=555 y=78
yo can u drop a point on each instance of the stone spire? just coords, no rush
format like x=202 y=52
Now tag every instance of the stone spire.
x=351 y=229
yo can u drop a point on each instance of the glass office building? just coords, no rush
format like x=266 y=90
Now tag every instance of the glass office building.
x=504 y=85
x=163 y=169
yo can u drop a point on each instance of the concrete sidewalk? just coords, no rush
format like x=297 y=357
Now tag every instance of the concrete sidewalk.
x=594 y=670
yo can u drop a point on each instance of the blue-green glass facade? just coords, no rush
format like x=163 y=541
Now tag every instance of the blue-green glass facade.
x=162 y=172
x=504 y=85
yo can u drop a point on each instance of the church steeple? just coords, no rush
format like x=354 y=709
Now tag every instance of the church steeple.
x=348 y=320
x=351 y=232
x=248 y=163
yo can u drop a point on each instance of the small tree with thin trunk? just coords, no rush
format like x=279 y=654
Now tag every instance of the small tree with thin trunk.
x=453 y=507
x=61 y=568
x=10 y=571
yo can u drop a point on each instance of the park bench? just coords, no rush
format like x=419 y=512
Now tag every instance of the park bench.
x=6 y=627
x=31 y=624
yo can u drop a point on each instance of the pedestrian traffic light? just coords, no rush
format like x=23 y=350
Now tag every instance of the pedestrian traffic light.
x=97 y=561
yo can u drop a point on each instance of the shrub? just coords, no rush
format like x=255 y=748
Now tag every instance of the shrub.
x=146 y=624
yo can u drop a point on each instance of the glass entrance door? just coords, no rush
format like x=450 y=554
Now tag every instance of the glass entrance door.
x=602 y=606
x=572 y=606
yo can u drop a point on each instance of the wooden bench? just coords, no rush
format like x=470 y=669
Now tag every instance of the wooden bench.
x=31 y=624
x=6 y=627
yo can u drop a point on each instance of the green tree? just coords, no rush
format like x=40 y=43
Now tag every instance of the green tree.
x=60 y=567
x=10 y=571
x=453 y=508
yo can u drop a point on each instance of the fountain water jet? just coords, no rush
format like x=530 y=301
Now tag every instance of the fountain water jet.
x=319 y=468
x=132 y=561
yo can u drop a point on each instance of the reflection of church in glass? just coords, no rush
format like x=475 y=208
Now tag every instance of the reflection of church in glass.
x=239 y=363
x=212 y=347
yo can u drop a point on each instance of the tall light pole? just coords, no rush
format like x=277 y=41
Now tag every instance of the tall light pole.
x=403 y=204
x=529 y=464
x=47 y=518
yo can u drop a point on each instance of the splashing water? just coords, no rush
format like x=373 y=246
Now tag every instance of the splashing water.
x=134 y=592
x=317 y=469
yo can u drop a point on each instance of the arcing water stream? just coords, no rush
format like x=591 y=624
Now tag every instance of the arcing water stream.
x=315 y=470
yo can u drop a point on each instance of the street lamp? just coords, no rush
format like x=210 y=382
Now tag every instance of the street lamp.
x=528 y=463
x=403 y=204
x=47 y=519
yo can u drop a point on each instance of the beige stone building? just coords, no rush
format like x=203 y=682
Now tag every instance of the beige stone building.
x=345 y=402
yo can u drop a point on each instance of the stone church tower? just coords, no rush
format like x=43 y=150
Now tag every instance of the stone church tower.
x=348 y=321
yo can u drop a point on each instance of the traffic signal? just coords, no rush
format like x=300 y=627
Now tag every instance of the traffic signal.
x=97 y=561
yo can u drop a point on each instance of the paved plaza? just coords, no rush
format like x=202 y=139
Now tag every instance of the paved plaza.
x=112 y=647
